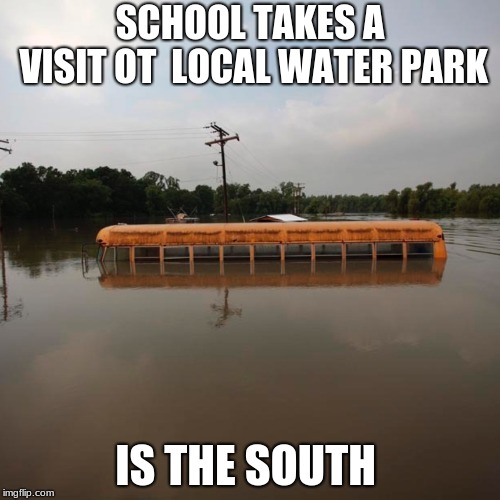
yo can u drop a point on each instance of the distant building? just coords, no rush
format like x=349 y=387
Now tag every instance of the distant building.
x=279 y=218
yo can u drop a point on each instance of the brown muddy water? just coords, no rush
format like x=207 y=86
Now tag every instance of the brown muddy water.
x=406 y=359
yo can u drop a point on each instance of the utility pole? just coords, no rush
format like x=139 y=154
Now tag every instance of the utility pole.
x=297 y=193
x=8 y=150
x=221 y=141
x=2 y=253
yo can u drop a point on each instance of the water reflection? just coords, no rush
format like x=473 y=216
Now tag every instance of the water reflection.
x=362 y=273
x=41 y=250
x=224 y=311
x=9 y=310
x=266 y=274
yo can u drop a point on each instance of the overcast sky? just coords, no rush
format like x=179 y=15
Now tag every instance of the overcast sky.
x=335 y=139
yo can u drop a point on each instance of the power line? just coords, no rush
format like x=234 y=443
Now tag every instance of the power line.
x=252 y=169
x=196 y=180
x=106 y=137
x=102 y=132
x=153 y=134
x=159 y=161
x=265 y=169
x=258 y=164
x=113 y=134
x=145 y=139
x=246 y=170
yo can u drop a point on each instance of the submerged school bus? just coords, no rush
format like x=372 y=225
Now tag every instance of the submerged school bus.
x=255 y=240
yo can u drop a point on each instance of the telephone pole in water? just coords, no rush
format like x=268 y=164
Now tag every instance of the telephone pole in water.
x=221 y=141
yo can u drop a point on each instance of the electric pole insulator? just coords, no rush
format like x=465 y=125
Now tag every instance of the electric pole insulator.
x=8 y=150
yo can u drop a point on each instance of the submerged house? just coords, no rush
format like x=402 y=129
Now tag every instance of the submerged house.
x=279 y=218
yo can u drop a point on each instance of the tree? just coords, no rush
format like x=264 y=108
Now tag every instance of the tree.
x=392 y=201
x=155 y=200
x=89 y=197
x=154 y=179
x=173 y=183
x=205 y=197
x=404 y=201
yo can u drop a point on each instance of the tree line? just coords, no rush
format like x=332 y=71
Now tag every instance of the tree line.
x=43 y=192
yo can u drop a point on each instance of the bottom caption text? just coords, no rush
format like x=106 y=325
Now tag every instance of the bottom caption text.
x=214 y=465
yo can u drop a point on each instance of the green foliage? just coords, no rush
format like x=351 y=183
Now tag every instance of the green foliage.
x=478 y=200
x=30 y=191
x=156 y=202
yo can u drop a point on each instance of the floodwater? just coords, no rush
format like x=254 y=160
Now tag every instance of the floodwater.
x=407 y=359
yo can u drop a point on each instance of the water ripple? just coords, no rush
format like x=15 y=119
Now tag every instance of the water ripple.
x=476 y=235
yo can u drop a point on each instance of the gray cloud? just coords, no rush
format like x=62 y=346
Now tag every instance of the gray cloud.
x=349 y=139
